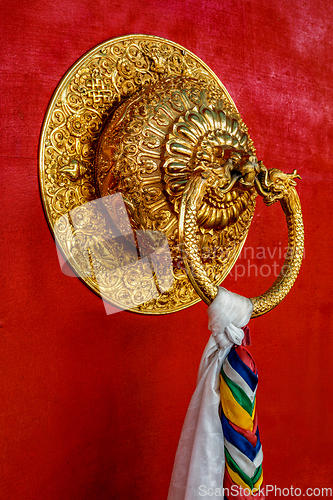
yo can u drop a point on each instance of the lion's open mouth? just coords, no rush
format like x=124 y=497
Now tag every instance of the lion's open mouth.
x=218 y=212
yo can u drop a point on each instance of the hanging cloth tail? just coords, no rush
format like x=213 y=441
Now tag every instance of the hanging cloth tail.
x=199 y=463
x=243 y=452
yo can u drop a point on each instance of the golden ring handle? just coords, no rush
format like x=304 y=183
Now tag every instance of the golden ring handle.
x=280 y=188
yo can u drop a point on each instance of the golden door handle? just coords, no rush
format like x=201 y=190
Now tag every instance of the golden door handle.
x=273 y=185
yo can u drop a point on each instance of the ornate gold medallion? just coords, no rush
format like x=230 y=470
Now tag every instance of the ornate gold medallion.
x=148 y=175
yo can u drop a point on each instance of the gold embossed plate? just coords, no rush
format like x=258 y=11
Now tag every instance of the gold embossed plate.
x=77 y=120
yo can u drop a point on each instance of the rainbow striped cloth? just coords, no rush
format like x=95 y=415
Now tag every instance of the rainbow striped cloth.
x=243 y=451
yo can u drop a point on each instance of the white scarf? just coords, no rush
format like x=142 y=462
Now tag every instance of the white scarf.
x=200 y=454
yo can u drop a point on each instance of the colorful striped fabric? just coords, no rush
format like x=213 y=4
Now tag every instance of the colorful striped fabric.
x=243 y=451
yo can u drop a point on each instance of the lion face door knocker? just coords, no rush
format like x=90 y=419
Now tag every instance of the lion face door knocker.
x=144 y=162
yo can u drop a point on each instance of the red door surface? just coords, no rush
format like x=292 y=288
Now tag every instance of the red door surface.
x=92 y=405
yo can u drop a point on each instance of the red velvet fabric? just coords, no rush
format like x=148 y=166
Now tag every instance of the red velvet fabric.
x=92 y=405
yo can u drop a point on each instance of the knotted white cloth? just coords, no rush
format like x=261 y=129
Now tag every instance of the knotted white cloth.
x=200 y=454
